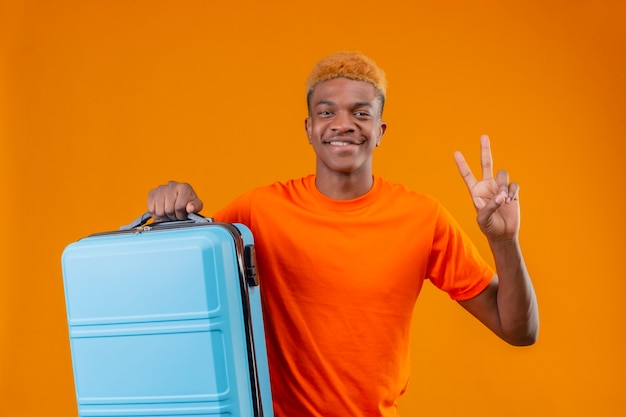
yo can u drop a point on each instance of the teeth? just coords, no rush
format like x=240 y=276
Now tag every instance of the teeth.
x=339 y=143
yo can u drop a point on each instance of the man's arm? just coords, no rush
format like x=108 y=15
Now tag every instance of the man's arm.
x=508 y=306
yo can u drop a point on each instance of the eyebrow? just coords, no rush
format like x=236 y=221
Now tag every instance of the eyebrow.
x=332 y=103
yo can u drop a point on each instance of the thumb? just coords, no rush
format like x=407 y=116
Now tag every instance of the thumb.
x=484 y=214
x=194 y=206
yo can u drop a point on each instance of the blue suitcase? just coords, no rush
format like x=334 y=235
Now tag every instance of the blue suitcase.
x=165 y=320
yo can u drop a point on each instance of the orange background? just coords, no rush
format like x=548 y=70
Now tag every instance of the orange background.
x=100 y=101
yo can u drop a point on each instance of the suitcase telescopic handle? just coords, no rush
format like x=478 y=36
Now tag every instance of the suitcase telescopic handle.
x=144 y=218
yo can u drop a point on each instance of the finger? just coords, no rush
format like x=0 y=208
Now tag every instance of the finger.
x=155 y=203
x=485 y=157
x=465 y=170
x=182 y=200
x=177 y=197
x=502 y=181
x=163 y=201
x=485 y=214
x=513 y=192
x=169 y=195
x=509 y=191
x=180 y=205
x=151 y=198
x=194 y=206
x=187 y=201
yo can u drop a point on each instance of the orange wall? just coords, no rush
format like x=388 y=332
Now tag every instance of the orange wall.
x=100 y=101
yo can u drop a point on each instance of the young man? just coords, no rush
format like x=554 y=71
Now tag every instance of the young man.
x=342 y=255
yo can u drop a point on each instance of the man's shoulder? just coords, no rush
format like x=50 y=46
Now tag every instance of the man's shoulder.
x=400 y=190
x=284 y=186
x=278 y=192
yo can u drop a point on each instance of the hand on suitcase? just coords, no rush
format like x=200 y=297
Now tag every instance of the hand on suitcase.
x=173 y=201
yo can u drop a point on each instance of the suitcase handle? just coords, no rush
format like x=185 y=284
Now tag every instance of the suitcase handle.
x=144 y=218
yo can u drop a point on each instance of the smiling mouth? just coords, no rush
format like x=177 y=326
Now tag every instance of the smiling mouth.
x=343 y=143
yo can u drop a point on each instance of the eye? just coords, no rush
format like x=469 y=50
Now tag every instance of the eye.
x=362 y=114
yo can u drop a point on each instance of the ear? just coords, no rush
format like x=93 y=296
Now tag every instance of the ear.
x=308 y=128
x=382 y=127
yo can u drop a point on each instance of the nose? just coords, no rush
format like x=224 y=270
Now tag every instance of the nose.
x=342 y=122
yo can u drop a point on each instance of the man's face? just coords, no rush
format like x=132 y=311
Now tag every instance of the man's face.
x=344 y=125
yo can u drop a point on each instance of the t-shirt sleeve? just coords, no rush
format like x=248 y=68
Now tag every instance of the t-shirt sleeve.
x=237 y=211
x=455 y=266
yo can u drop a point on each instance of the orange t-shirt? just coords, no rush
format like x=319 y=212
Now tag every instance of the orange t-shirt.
x=339 y=279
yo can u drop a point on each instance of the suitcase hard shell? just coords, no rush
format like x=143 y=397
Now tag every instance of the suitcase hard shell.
x=165 y=320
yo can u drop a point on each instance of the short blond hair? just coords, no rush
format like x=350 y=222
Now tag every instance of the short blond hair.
x=351 y=65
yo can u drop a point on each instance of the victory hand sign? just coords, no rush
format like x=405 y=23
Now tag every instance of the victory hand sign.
x=495 y=199
x=508 y=305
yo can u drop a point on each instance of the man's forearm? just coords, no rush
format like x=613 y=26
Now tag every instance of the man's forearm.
x=516 y=299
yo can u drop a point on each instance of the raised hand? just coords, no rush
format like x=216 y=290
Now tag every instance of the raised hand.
x=495 y=199
x=173 y=201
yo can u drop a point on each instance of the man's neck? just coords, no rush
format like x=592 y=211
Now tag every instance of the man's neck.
x=340 y=186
